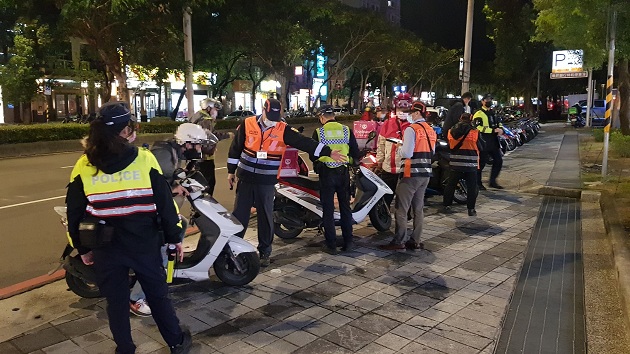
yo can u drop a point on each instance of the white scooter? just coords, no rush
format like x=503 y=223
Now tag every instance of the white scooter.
x=235 y=261
x=297 y=205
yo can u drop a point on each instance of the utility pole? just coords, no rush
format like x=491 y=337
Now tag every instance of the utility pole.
x=188 y=57
x=589 y=98
x=468 y=46
x=609 y=86
x=538 y=96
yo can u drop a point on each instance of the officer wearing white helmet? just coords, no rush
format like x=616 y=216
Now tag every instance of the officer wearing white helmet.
x=206 y=118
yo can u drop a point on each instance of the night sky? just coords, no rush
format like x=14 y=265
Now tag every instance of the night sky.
x=444 y=22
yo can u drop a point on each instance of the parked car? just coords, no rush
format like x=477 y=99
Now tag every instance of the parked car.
x=598 y=112
x=341 y=111
x=239 y=115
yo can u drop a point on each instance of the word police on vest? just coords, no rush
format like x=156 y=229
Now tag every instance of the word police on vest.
x=117 y=177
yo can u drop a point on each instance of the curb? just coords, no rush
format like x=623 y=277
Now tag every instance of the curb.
x=42 y=280
x=554 y=191
x=621 y=253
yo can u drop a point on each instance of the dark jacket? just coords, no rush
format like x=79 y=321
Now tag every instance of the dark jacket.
x=135 y=233
x=453 y=115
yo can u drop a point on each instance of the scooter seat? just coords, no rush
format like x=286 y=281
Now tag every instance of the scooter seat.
x=311 y=183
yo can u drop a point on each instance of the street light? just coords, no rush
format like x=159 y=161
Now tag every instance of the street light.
x=468 y=46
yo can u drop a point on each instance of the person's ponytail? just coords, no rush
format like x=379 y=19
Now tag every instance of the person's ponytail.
x=102 y=143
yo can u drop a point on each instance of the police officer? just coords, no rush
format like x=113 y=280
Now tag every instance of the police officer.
x=122 y=191
x=417 y=149
x=334 y=177
x=206 y=117
x=255 y=157
x=490 y=128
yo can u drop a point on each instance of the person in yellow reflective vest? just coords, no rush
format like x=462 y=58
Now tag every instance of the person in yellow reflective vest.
x=490 y=128
x=121 y=189
x=334 y=177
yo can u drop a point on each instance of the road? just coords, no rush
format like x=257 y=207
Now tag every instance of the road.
x=32 y=236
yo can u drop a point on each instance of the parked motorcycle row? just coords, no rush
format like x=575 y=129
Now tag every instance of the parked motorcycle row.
x=518 y=131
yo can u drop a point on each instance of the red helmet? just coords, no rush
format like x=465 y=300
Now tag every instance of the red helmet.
x=403 y=101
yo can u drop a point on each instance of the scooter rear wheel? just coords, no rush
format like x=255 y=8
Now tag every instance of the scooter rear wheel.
x=461 y=192
x=286 y=233
x=82 y=288
x=228 y=273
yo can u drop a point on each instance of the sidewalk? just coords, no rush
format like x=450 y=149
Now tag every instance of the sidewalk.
x=450 y=298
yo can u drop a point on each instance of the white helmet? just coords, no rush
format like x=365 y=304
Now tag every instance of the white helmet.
x=190 y=133
x=210 y=103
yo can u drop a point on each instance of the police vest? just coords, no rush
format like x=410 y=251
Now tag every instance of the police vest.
x=121 y=193
x=419 y=165
x=336 y=136
x=271 y=143
x=488 y=123
x=466 y=158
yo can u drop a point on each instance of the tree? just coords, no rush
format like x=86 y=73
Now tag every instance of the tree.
x=577 y=24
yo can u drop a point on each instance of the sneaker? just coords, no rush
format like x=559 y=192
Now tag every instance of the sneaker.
x=264 y=260
x=140 y=308
x=414 y=245
x=185 y=346
x=472 y=212
x=495 y=185
x=392 y=246
x=329 y=250
x=445 y=210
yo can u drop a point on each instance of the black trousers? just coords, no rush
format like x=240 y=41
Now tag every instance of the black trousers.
x=497 y=164
x=112 y=270
x=335 y=180
x=391 y=179
x=249 y=195
x=471 y=187
x=206 y=167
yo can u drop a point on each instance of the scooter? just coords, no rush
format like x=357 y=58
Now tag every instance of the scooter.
x=441 y=174
x=297 y=205
x=234 y=260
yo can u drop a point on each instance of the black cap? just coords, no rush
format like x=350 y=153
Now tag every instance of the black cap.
x=115 y=114
x=487 y=96
x=326 y=109
x=273 y=108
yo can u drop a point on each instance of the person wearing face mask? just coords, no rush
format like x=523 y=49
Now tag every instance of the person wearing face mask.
x=490 y=128
x=334 y=177
x=417 y=149
x=120 y=191
x=255 y=157
x=206 y=117
x=388 y=162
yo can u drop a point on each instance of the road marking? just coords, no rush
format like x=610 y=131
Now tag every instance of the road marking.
x=31 y=202
x=71 y=166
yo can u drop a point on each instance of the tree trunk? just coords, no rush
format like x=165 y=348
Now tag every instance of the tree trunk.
x=624 y=96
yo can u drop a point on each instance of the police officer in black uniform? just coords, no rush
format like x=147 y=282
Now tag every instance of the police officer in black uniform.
x=334 y=177
x=121 y=191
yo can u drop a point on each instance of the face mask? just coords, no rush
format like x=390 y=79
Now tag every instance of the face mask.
x=403 y=116
x=269 y=123
x=487 y=104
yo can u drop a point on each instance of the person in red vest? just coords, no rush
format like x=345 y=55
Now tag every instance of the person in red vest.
x=255 y=157
x=416 y=150
x=465 y=143
x=368 y=114
x=388 y=162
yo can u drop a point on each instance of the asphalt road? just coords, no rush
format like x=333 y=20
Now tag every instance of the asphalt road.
x=32 y=236
x=31 y=233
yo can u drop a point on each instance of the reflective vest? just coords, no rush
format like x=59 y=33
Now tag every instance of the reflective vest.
x=337 y=137
x=419 y=165
x=488 y=123
x=121 y=193
x=270 y=142
x=466 y=158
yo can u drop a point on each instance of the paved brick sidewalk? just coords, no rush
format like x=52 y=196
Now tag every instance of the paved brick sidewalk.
x=449 y=298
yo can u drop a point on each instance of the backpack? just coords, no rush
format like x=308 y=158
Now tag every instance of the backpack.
x=165 y=153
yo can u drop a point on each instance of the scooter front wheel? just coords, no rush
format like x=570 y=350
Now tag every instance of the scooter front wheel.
x=380 y=217
x=285 y=232
x=81 y=287
x=231 y=274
